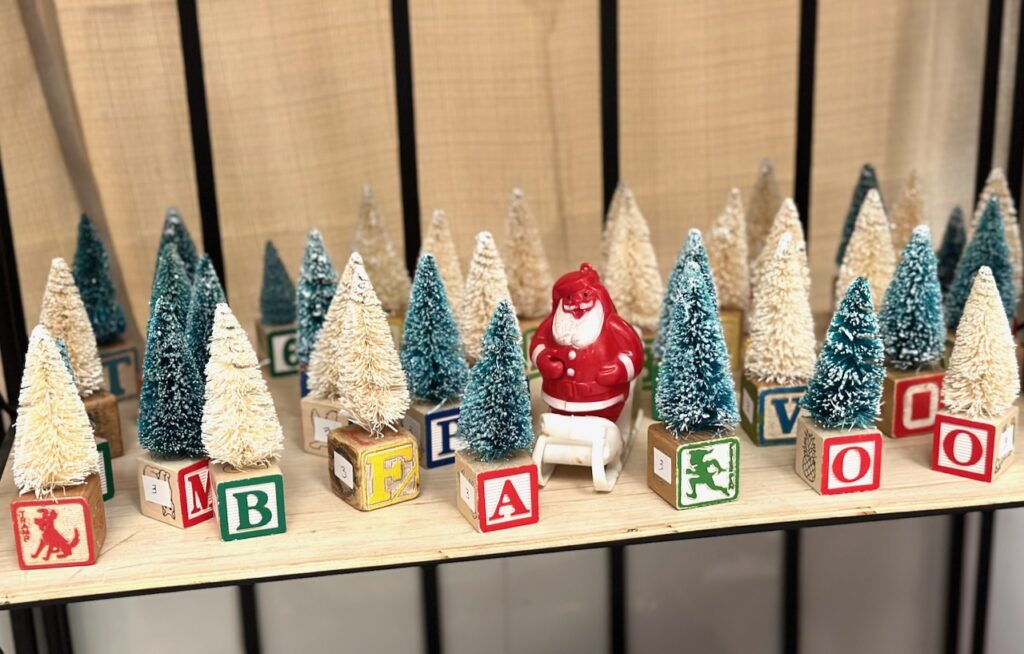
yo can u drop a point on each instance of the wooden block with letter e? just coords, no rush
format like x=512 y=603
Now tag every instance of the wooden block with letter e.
x=371 y=473
x=495 y=495
x=64 y=529
x=175 y=491
x=248 y=503
x=319 y=418
x=122 y=369
x=106 y=473
x=838 y=461
x=910 y=401
x=975 y=448
x=276 y=345
x=698 y=470
x=435 y=429
x=768 y=412
x=101 y=408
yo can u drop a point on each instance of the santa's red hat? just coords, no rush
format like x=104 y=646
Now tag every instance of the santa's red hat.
x=585 y=277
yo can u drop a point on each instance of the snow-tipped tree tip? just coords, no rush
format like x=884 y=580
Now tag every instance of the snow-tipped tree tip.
x=367 y=192
x=438 y=216
x=517 y=194
x=765 y=167
x=484 y=240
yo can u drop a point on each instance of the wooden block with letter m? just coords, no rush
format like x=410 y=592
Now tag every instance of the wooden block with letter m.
x=768 y=412
x=838 y=461
x=435 y=428
x=64 y=529
x=698 y=470
x=175 y=491
x=276 y=344
x=249 y=503
x=910 y=402
x=371 y=473
x=975 y=448
x=495 y=495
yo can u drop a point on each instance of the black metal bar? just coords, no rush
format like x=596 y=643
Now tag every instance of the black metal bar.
x=609 y=97
x=195 y=86
x=402 y=43
x=24 y=630
x=805 y=111
x=1015 y=160
x=988 y=519
x=250 y=618
x=431 y=608
x=13 y=336
x=57 y=630
x=954 y=583
x=617 y=591
x=791 y=592
x=989 y=93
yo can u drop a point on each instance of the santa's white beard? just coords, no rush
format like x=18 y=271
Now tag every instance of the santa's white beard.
x=578 y=332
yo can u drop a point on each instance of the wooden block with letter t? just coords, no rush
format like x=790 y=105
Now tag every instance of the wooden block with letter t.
x=838 y=461
x=371 y=473
x=101 y=407
x=276 y=344
x=122 y=370
x=106 y=473
x=64 y=529
x=248 y=503
x=175 y=491
x=319 y=418
x=975 y=448
x=697 y=470
x=910 y=401
x=434 y=428
x=495 y=495
x=768 y=412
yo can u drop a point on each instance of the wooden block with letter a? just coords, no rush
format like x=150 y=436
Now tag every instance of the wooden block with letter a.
x=975 y=448
x=276 y=345
x=434 y=428
x=371 y=473
x=768 y=412
x=122 y=369
x=175 y=491
x=248 y=503
x=495 y=495
x=697 y=470
x=64 y=529
x=319 y=418
x=838 y=461
x=106 y=473
x=910 y=401
x=101 y=407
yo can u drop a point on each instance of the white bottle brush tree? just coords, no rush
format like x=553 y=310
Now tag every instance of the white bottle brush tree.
x=727 y=254
x=438 y=241
x=380 y=256
x=324 y=362
x=64 y=316
x=765 y=200
x=907 y=213
x=787 y=221
x=529 y=275
x=632 y=274
x=486 y=286
x=869 y=253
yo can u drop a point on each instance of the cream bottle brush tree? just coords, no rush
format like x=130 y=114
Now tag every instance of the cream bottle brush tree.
x=727 y=254
x=610 y=218
x=325 y=359
x=486 y=286
x=787 y=221
x=438 y=242
x=907 y=213
x=632 y=274
x=869 y=253
x=765 y=200
x=997 y=186
x=529 y=275
x=64 y=316
x=380 y=256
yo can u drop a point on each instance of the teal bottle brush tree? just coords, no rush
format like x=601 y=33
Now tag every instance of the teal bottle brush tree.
x=277 y=293
x=207 y=293
x=91 y=269
x=172 y=283
x=175 y=231
x=953 y=240
x=986 y=248
x=318 y=280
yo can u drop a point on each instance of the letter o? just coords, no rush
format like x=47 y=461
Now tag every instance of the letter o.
x=838 y=468
x=949 y=447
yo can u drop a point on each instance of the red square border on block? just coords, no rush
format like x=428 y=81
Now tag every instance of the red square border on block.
x=963 y=447
x=194 y=493
x=507 y=497
x=26 y=516
x=843 y=474
x=917 y=402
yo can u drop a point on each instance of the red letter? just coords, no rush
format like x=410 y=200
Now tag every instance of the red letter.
x=948 y=446
x=837 y=464
x=509 y=498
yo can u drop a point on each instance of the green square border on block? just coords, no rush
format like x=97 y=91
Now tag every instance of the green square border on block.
x=108 y=469
x=222 y=489
x=274 y=370
x=734 y=443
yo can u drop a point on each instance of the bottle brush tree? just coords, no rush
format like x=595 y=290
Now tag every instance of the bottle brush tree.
x=324 y=374
x=727 y=254
x=240 y=427
x=64 y=316
x=781 y=346
x=171 y=398
x=982 y=378
x=986 y=248
x=952 y=247
x=207 y=293
x=907 y=213
x=787 y=221
x=867 y=181
x=529 y=276
x=910 y=322
x=765 y=200
x=693 y=250
x=318 y=280
x=845 y=391
x=495 y=418
x=610 y=218
x=869 y=253
x=171 y=283
x=383 y=263
x=486 y=286
x=996 y=186
x=631 y=274
x=431 y=354
x=695 y=390
x=54 y=444
x=277 y=293
x=176 y=232
x=91 y=269
x=439 y=243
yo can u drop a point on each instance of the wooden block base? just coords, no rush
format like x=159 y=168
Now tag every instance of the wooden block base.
x=698 y=470
x=122 y=369
x=371 y=473
x=106 y=474
x=975 y=448
x=101 y=408
x=434 y=428
x=910 y=401
x=249 y=503
x=65 y=529
x=319 y=418
x=834 y=462
x=275 y=344
x=494 y=495
x=175 y=491
x=768 y=412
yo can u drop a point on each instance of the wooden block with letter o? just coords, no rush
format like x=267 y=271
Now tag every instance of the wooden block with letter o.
x=101 y=408
x=838 y=461
x=768 y=412
x=435 y=429
x=698 y=470
x=122 y=369
x=106 y=473
x=319 y=418
x=371 y=473
x=276 y=344
x=975 y=448
x=64 y=529
x=495 y=495
x=248 y=503
x=175 y=491
x=910 y=402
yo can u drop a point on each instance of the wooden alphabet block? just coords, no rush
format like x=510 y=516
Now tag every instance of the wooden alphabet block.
x=303 y=381
x=106 y=469
x=910 y=402
x=175 y=491
x=495 y=495
x=276 y=344
x=249 y=503
x=435 y=430
x=101 y=408
x=122 y=369
x=975 y=448
x=371 y=473
x=732 y=328
x=319 y=418
x=528 y=327
x=834 y=462
x=698 y=470
x=65 y=529
x=768 y=412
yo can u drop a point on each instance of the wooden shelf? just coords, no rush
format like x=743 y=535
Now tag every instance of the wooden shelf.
x=326 y=535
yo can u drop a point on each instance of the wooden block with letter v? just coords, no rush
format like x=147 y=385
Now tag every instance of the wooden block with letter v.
x=122 y=371
x=276 y=344
x=319 y=418
x=838 y=461
x=105 y=418
x=249 y=503
x=371 y=473
x=768 y=412
x=495 y=495
x=697 y=470
x=435 y=429
x=910 y=401
x=64 y=529
x=175 y=491
x=106 y=473
x=975 y=448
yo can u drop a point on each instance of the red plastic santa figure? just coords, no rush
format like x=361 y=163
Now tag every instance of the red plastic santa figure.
x=585 y=352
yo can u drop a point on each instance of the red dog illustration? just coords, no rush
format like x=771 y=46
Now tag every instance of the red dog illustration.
x=51 y=539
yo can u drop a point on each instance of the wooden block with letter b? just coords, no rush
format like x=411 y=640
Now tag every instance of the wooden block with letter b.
x=975 y=448
x=277 y=345
x=698 y=470
x=105 y=418
x=319 y=418
x=768 y=412
x=838 y=461
x=122 y=369
x=64 y=529
x=495 y=495
x=248 y=503
x=371 y=473
x=910 y=402
x=435 y=429
x=175 y=491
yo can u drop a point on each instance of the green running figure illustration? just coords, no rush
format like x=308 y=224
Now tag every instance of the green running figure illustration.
x=702 y=471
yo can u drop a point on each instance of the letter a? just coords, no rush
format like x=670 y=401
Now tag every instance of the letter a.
x=509 y=498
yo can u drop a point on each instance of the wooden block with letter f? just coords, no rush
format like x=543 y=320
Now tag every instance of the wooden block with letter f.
x=66 y=528
x=371 y=473
x=175 y=491
x=250 y=502
x=768 y=412
x=698 y=470
x=910 y=402
x=975 y=448
x=838 y=461
x=500 y=494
